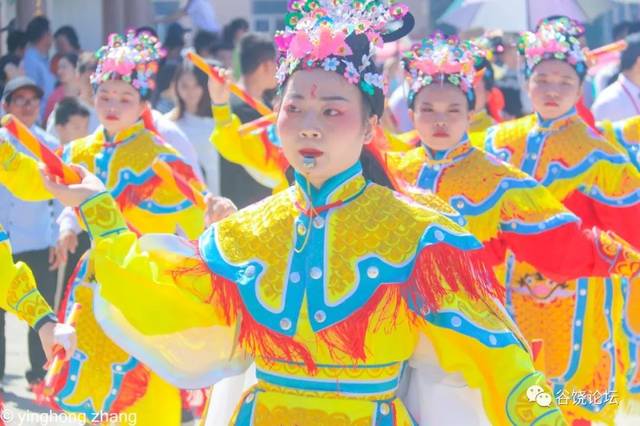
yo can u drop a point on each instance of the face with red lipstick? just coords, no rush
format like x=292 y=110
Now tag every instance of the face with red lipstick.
x=440 y=115
x=554 y=88
x=118 y=105
x=322 y=118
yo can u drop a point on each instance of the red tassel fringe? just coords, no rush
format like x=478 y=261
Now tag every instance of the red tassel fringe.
x=134 y=385
x=465 y=271
x=462 y=271
x=495 y=104
x=252 y=337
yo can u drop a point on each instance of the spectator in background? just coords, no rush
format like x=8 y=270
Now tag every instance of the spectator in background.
x=609 y=73
x=85 y=67
x=36 y=57
x=258 y=68
x=204 y=43
x=68 y=84
x=201 y=13
x=621 y=99
x=164 y=95
x=87 y=64
x=192 y=115
x=71 y=119
x=222 y=52
x=516 y=102
x=174 y=43
x=31 y=225
x=234 y=31
x=9 y=63
x=66 y=41
x=232 y=34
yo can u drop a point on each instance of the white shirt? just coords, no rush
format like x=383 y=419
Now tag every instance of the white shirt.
x=203 y=16
x=198 y=131
x=618 y=101
x=399 y=107
x=30 y=225
x=172 y=135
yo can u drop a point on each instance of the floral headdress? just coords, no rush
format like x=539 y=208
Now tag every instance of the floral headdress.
x=438 y=59
x=341 y=36
x=554 y=39
x=484 y=57
x=130 y=58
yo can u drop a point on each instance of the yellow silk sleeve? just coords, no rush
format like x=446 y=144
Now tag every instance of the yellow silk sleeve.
x=247 y=150
x=21 y=175
x=156 y=300
x=613 y=180
x=477 y=340
x=400 y=142
x=18 y=292
x=477 y=138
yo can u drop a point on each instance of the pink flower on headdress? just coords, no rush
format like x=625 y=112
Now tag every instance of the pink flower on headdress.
x=351 y=73
x=426 y=66
x=300 y=45
x=535 y=51
x=283 y=41
x=375 y=39
x=117 y=62
x=331 y=44
x=450 y=67
x=552 y=46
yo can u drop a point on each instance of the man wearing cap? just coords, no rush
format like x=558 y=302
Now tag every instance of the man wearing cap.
x=30 y=225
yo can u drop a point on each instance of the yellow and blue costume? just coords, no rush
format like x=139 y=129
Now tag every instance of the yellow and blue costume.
x=330 y=291
x=591 y=177
x=597 y=182
x=626 y=135
x=101 y=378
x=515 y=217
x=518 y=218
x=18 y=292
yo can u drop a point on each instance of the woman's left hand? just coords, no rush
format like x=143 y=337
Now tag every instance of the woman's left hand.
x=75 y=194
x=64 y=335
x=217 y=209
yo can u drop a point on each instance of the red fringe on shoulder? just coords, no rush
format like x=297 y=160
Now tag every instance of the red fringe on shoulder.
x=133 y=387
x=439 y=270
x=252 y=337
x=466 y=271
x=349 y=336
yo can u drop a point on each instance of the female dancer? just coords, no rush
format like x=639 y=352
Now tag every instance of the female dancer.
x=101 y=380
x=331 y=286
x=512 y=215
x=593 y=179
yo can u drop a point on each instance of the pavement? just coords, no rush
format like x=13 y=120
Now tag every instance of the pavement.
x=20 y=408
